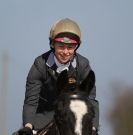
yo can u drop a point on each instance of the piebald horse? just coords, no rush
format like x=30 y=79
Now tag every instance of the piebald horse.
x=74 y=111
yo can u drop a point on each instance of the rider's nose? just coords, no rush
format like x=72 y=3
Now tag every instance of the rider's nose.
x=65 y=50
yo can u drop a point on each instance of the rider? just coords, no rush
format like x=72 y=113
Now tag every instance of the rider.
x=40 y=95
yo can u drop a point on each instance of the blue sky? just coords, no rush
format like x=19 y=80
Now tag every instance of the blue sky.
x=107 y=41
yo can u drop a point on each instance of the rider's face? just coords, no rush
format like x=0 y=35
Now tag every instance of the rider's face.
x=64 y=52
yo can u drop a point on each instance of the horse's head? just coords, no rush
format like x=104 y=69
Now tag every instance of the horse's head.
x=67 y=81
x=74 y=112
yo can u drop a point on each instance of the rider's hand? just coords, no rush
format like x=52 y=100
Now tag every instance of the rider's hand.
x=24 y=131
x=94 y=131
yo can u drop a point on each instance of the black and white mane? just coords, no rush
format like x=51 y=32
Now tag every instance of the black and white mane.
x=73 y=110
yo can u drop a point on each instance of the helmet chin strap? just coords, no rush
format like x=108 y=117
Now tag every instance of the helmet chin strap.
x=51 y=44
x=77 y=47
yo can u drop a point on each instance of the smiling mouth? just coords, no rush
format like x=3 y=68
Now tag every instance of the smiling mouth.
x=65 y=58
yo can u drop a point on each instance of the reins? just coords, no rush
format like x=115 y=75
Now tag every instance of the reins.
x=46 y=128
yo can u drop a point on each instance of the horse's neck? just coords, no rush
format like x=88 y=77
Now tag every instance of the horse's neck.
x=66 y=130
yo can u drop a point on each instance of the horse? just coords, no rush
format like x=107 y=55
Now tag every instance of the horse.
x=74 y=111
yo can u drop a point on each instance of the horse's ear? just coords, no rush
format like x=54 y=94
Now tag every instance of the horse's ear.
x=62 y=80
x=89 y=82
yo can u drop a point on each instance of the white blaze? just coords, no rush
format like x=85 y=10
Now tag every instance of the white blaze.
x=79 y=109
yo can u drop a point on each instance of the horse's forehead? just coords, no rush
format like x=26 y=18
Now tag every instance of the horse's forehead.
x=71 y=80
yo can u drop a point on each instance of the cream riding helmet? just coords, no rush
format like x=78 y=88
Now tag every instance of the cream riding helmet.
x=65 y=31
